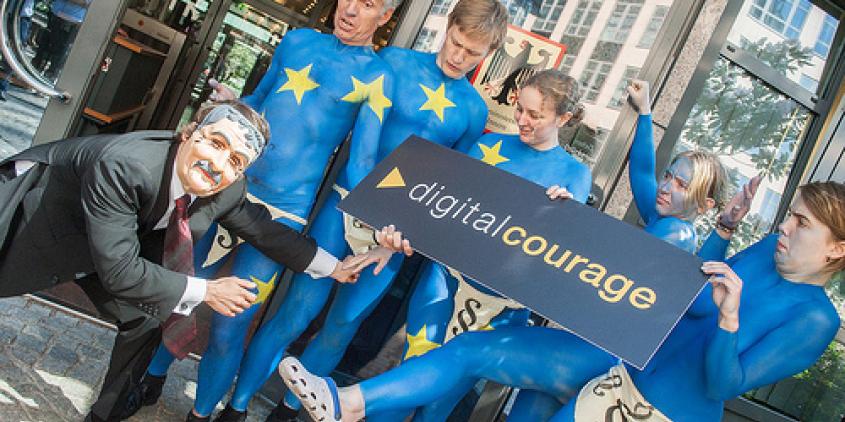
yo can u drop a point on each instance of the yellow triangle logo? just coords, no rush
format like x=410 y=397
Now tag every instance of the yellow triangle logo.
x=392 y=180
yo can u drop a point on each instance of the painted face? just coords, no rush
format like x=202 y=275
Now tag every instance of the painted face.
x=213 y=158
x=673 y=189
x=536 y=119
x=803 y=245
x=460 y=53
x=355 y=21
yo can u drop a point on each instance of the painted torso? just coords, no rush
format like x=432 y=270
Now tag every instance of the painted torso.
x=769 y=340
x=311 y=96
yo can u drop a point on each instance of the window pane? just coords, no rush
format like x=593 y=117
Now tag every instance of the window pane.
x=817 y=394
x=794 y=30
x=754 y=130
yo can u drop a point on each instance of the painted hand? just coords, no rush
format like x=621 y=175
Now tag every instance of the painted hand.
x=221 y=92
x=558 y=192
x=229 y=296
x=391 y=239
x=639 y=96
x=739 y=205
x=727 y=291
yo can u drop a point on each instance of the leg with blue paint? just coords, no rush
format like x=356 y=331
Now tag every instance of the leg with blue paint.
x=533 y=406
x=352 y=304
x=221 y=360
x=302 y=303
x=507 y=356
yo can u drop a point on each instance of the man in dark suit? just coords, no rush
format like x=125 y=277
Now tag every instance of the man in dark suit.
x=107 y=211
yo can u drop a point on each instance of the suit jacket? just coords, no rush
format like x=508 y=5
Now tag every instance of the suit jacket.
x=91 y=205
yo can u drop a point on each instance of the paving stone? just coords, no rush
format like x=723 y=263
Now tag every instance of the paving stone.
x=62 y=322
x=80 y=352
x=36 y=311
x=39 y=330
x=31 y=342
x=7 y=334
x=87 y=373
x=25 y=355
x=14 y=301
x=14 y=322
x=59 y=359
x=87 y=351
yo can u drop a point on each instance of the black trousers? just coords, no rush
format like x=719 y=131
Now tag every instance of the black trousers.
x=137 y=339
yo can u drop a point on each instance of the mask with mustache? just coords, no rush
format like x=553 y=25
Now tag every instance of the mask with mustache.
x=205 y=166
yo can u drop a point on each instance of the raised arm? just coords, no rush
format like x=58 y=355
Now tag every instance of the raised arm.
x=641 y=163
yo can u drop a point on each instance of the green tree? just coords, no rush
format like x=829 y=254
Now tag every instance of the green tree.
x=737 y=113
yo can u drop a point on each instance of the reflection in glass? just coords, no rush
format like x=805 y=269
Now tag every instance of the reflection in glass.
x=815 y=395
x=239 y=55
x=48 y=31
x=780 y=30
x=754 y=130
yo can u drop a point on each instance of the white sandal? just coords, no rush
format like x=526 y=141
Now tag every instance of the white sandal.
x=317 y=394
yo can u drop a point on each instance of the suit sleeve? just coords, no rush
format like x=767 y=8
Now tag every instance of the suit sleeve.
x=254 y=224
x=111 y=197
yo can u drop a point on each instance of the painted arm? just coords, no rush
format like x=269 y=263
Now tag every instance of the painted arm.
x=786 y=350
x=367 y=131
x=641 y=169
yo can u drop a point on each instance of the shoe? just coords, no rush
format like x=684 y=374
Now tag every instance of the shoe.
x=150 y=388
x=3 y=95
x=318 y=395
x=231 y=415
x=282 y=413
x=146 y=393
x=191 y=417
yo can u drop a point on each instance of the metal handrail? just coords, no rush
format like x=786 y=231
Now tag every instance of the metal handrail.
x=12 y=51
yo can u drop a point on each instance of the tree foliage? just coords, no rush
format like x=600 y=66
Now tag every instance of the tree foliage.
x=737 y=113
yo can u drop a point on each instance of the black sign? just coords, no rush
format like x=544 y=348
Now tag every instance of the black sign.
x=608 y=282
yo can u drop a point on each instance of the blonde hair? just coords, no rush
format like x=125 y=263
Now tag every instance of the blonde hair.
x=826 y=201
x=709 y=179
x=481 y=19
x=561 y=90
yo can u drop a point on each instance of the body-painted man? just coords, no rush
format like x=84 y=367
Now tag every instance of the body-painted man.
x=432 y=100
x=317 y=89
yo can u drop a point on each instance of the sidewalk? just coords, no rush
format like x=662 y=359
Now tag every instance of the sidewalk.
x=52 y=361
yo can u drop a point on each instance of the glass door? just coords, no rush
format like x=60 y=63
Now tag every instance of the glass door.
x=51 y=50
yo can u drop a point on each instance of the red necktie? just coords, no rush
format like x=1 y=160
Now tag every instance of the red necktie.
x=178 y=247
x=179 y=331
